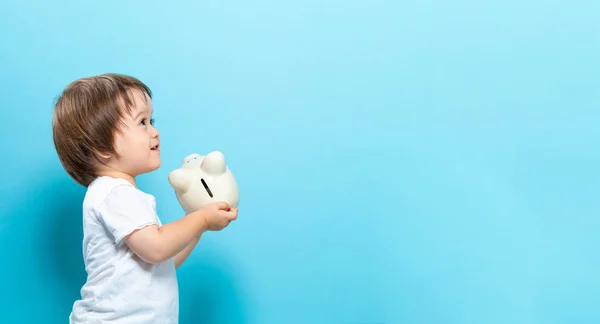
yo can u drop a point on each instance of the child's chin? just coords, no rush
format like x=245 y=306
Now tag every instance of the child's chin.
x=155 y=166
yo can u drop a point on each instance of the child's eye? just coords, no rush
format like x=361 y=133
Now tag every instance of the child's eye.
x=145 y=121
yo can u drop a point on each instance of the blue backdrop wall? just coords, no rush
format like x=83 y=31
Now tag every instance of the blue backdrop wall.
x=399 y=161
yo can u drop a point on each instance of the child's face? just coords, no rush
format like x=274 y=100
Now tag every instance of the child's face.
x=137 y=141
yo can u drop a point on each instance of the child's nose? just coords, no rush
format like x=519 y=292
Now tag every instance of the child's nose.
x=154 y=132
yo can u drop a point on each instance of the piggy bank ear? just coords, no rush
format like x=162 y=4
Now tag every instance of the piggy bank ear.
x=214 y=163
x=178 y=180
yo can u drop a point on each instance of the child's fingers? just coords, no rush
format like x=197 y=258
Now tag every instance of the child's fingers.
x=223 y=205
x=232 y=214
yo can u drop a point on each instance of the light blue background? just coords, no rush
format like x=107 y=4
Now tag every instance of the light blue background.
x=399 y=162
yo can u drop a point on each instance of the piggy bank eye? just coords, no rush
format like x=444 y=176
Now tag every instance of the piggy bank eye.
x=190 y=158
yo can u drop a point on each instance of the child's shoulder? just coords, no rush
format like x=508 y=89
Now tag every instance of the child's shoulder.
x=105 y=188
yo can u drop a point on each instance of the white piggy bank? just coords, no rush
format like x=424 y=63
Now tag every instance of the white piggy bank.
x=204 y=179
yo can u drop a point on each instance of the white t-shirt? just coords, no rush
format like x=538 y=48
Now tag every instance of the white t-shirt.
x=121 y=288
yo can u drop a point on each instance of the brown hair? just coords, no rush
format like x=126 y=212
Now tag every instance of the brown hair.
x=86 y=115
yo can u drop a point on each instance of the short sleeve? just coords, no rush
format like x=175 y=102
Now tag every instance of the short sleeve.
x=125 y=210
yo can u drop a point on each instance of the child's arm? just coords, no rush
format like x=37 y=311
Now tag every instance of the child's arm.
x=183 y=255
x=155 y=245
x=128 y=215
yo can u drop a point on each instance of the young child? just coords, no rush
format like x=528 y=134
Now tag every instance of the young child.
x=104 y=135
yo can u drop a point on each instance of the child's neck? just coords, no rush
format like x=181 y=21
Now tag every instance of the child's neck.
x=118 y=175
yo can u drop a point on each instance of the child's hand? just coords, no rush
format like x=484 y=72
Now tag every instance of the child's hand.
x=218 y=215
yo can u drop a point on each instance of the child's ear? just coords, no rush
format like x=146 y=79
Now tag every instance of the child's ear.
x=102 y=156
x=179 y=181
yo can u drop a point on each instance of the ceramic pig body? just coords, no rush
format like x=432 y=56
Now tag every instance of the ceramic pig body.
x=204 y=179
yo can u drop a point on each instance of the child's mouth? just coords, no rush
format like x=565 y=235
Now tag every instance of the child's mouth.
x=155 y=148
